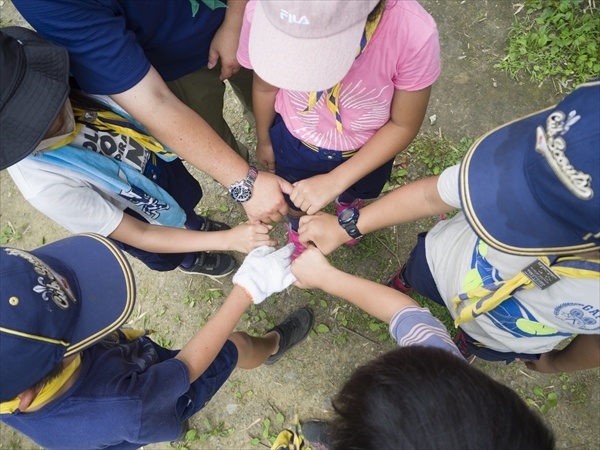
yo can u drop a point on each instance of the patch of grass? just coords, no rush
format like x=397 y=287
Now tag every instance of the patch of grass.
x=554 y=39
x=208 y=296
x=192 y=435
x=161 y=339
x=438 y=153
x=579 y=391
x=9 y=233
x=543 y=399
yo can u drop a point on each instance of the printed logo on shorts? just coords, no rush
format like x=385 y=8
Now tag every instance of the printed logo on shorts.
x=578 y=315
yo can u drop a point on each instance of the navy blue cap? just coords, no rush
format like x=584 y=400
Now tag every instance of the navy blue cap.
x=532 y=186
x=55 y=301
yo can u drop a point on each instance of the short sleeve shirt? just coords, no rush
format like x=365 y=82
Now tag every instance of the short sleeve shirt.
x=112 y=43
x=403 y=54
x=531 y=321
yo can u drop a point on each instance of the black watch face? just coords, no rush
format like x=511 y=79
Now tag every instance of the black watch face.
x=346 y=215
x=240 y=192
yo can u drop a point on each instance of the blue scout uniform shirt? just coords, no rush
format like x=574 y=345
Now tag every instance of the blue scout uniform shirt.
x=112 y=43
x=122 y=399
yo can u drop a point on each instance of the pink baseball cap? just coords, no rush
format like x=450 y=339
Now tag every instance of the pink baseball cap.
x=306 y=45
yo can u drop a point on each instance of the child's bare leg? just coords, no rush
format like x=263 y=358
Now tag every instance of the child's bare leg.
x=253 y=351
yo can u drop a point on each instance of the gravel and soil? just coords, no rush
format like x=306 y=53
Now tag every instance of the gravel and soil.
x=470 y=98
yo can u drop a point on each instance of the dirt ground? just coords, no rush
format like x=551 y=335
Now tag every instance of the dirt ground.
x=470 y=98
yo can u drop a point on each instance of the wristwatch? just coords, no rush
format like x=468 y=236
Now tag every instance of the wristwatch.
x=347 y=220
x=241 y=191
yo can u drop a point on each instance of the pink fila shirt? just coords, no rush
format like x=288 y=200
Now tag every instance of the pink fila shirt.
x=403 y=54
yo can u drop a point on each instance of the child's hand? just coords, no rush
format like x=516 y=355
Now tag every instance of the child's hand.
x=323 y=230
x=314 y=193
x=265 y=271
x=265 y=155
x=310 y=268
x=248 y=236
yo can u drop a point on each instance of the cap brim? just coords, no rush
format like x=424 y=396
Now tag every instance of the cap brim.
x=498 y=202
x=303 y=65
x=29 y=113
x=106 y=283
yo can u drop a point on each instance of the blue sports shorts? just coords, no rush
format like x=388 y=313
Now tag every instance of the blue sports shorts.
x=207 y=385
x=294 y=161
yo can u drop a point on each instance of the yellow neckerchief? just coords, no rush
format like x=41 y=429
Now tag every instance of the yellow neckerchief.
x=485 y=298
x=113 y=123
x=49 y=389
x=333 y=94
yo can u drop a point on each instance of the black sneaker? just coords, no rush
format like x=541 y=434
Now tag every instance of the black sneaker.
x=214 y=265
x=213 y=225
x=292 y=331
x=316 y=433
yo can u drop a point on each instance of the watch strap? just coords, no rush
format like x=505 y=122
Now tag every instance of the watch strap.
x=252 y=174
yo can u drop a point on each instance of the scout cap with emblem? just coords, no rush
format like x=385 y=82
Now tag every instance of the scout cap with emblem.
x=532 y=186
x=304 y=45
x=55 y=301
x=33 y=89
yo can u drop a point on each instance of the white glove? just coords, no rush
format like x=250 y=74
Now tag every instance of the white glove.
x=265 y=271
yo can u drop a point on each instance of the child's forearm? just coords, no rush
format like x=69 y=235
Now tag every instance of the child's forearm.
x=160 y=239
x=200 y=351
x=411 y=202
x=376 y=299
x=582 y=353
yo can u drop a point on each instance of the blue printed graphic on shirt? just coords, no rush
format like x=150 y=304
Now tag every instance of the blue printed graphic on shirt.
x=511 y=315
x=579 y=315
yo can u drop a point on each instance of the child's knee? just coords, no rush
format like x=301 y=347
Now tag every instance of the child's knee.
x=243 y=343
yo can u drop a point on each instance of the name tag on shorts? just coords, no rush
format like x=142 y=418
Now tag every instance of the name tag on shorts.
x=540 y=274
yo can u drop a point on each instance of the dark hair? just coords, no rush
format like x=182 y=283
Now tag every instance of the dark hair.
x=428 y=398
x=50 y=376
x=378 y=8
x=83 y=101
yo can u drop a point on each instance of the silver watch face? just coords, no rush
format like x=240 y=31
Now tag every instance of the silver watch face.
x=240 y=192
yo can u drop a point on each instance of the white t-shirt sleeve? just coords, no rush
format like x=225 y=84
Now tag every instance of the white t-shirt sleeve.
x=68 y=200
x=448 y=186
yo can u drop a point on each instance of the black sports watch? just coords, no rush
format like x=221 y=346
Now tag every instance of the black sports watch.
x=241 y=191
x=347 y=220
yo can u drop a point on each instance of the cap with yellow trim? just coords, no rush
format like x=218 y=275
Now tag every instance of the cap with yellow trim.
x=55 y=301
x=532 y=186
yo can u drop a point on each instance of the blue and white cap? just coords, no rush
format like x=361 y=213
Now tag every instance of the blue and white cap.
x=55 y=301
x=532 y=186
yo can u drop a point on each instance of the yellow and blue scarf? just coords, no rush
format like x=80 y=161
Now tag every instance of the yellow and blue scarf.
x=487 y=297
